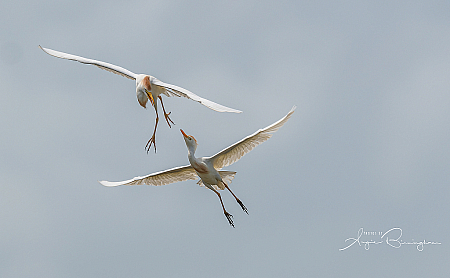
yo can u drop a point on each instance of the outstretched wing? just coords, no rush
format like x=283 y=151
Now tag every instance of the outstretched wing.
x=234 y=152
x=106 y=66
x=159 y=178
x=181 y=92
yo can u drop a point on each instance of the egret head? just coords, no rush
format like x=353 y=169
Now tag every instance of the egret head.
x=144 y=89
x=191 y=143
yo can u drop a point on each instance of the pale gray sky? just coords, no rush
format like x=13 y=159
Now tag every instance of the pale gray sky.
x=368 y=146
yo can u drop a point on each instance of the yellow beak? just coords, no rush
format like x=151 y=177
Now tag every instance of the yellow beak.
x=184 y=134
x=150 y=97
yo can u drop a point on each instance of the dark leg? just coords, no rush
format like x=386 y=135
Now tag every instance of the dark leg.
x=166 y=115
x=227 y=215
x=152 y=140
x=237 y=199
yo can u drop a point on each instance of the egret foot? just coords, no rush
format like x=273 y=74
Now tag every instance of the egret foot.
x=150 y=142
x=242 y=206
x=166 y=115
x=229 y=217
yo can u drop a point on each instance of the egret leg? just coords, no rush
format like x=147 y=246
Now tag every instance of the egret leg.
x=152 y=140
x=237 y=199
x=166 y=115
x=227 y=215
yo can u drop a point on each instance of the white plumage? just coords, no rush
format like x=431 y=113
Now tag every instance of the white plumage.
x=208 y=169
x=147 y=88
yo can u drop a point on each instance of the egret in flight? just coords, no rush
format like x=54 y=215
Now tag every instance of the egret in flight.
x=208 y=169
x=147 y=88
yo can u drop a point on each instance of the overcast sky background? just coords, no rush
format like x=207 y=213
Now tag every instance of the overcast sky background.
x=368 y=146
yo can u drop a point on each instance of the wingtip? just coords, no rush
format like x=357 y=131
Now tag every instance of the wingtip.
x=231 y=110
x=43 y=49
x=289 y=114
x=104 y=183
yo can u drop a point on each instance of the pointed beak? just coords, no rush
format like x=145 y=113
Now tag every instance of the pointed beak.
x=184 y=134
x=150 y=97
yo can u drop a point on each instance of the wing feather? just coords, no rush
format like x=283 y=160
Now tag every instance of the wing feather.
x=106 y=66
x=173 y=175
x=234 y=152
x=181 y=92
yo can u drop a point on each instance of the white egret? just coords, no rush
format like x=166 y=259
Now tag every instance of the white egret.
x=208 y=169
x=147 y=88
